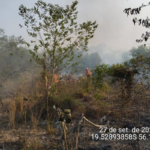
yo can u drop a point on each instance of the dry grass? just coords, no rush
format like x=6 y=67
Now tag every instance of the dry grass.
x=12 y=113
x=75 y=95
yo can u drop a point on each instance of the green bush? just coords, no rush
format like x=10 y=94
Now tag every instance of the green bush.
x=69 y=103
x=98 y=75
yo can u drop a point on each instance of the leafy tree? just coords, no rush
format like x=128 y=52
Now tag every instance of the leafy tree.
x=125 y=75
x=58 y=35
x=140 y=60
x=57 y=32
x=141 y=55
x=141 y=50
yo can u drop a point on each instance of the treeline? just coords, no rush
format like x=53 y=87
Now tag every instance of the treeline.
x=15 y=63
x=90 y=60
x=15 y=58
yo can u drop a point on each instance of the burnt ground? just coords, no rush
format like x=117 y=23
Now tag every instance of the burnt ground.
x=27 y=137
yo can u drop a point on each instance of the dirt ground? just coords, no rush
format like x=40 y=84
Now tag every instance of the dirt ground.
x=26 y=137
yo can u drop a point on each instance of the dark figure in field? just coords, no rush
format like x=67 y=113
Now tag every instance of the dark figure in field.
x=88 y=74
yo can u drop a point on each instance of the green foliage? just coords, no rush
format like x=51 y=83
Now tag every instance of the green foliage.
x=105 y=87
x=99 y=73
x=57 y=32
x=141 y=60
x=141 y=50
x=118 y=70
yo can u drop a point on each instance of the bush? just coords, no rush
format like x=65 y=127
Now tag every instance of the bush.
x=69 y=103
x=98 y=75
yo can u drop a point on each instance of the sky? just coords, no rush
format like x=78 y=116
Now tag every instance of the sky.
x=115 y=30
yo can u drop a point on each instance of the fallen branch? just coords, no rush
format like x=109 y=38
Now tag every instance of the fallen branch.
x=98 y=126
x=83 y=118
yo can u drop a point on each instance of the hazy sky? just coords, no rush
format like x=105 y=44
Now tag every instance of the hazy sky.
x=115 y=29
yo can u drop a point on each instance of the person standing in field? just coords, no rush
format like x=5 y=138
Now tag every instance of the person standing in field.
x=88 y=72
x=56 y=78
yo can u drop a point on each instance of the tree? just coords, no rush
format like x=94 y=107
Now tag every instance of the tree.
x=141 y=57
x=141 y=50
x=143 y=22
x=57 y=31
x=125 y=75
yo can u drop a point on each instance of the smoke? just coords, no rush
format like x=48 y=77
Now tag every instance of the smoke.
x=109 y=56
x=115 y=29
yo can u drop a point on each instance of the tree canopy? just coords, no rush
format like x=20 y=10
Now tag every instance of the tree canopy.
x=56 y=31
